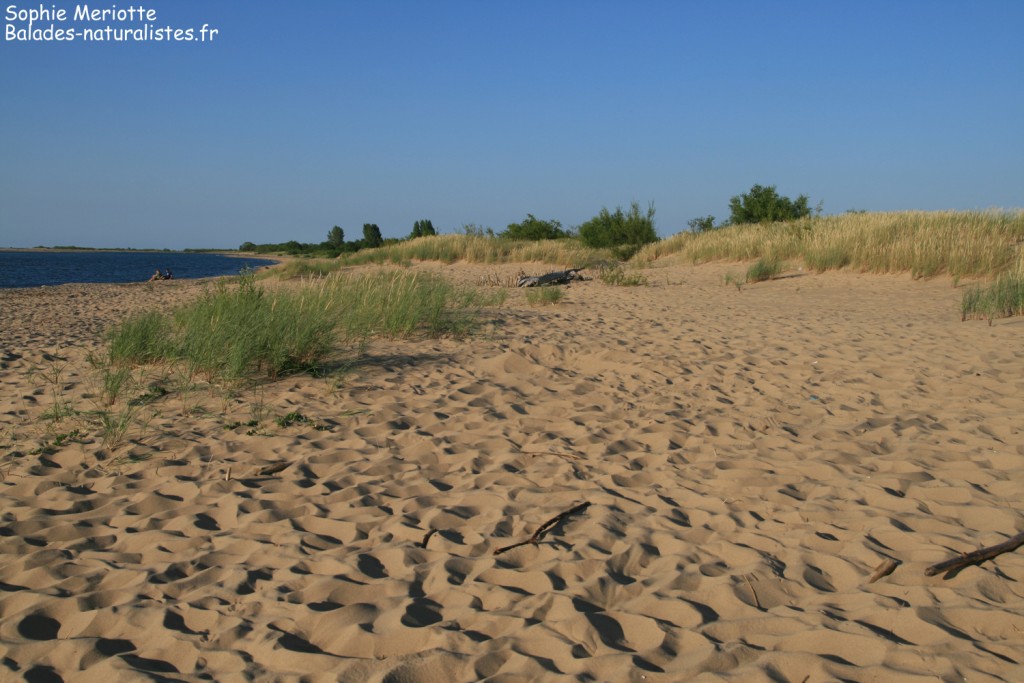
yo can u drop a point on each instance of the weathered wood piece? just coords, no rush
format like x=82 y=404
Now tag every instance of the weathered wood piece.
x=976 y=557
x=271 y=470
x=887 y=567
x=561 y=277
x=543 y=528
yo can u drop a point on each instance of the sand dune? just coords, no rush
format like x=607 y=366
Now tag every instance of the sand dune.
x=749 y=458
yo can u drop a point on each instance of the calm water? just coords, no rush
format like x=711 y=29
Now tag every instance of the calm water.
x=37 y=268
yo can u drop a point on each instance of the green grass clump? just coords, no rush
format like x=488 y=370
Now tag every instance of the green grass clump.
x=1002 y=299
x=544 y=296
x=618 y=277
x=402 y=304
x=764 y=269
x=239 y=331
x=734 y=280
x=228 y=333
x=142 y=338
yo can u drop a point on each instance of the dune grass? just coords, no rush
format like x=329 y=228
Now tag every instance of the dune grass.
x=764 y=269
x=1001 y=299
x=236 y=331
x=399 y=304
x=544 y=296
x=479 y=249
x=449 y=249
x=925 y=244
x=304 y=268
x=618 y=277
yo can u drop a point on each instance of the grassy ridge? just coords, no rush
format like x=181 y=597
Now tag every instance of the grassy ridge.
x=455 y=248
x=477 y=249
x=961 y=244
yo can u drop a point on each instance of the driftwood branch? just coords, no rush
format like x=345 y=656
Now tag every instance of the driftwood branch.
x=543 y=529
x=561 y=277
x=567 y=456
x=271 y=470
x=887 y=567
x=752 y=591
x=976 y=557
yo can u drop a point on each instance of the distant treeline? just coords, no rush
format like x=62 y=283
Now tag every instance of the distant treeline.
x=623 y=232
x=335 y=244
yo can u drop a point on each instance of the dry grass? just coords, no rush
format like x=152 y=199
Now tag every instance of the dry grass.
x=477 y=249
x=925 y=244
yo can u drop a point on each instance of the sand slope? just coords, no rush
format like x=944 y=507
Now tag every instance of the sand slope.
x=749 y=458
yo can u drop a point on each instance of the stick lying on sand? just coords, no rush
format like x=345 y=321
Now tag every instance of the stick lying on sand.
x=271 y=470
x=887 y=567
x=544 y=528
x=976 y=557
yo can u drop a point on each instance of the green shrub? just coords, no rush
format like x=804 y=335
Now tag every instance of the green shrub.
x=534 y=229
x=765 y=205
x=617 y=230
x=702 y=224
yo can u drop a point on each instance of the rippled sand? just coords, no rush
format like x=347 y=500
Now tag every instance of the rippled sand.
x=749 y=458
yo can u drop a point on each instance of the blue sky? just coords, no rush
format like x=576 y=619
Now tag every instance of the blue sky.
x=307 y=114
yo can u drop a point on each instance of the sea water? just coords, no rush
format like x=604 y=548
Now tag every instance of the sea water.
x=39 y=268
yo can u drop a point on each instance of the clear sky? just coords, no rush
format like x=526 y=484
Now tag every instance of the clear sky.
x=305 y=114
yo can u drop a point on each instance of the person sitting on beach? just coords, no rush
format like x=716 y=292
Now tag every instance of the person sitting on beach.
x=168 y=275
x=156 y=276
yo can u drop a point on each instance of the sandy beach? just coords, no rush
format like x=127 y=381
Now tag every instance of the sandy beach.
x=737 y=462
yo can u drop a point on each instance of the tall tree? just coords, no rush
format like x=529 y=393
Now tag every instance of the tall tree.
x=336 y=237
x=371 y=235
x=422 y=228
